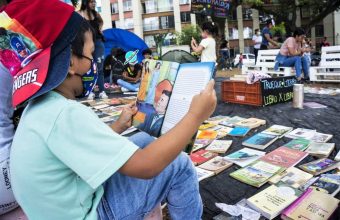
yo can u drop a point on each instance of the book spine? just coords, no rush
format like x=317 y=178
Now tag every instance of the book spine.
x=297 y=202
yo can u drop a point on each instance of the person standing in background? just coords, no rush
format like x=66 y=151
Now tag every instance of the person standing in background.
x=267 y=37
x=257 y=40
x=88 y=11
x=325 y=43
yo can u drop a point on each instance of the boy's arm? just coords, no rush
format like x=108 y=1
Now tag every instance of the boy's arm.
x=150 y=161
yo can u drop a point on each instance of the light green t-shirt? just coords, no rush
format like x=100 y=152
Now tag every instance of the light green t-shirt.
x=61 y=155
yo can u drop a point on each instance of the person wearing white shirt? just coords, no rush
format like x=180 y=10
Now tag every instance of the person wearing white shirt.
x=257 y=40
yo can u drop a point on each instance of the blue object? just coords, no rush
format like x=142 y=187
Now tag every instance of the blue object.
x=128 y=41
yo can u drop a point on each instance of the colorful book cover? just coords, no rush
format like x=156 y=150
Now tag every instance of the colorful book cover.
x=231 y=121
x=244 y=157
x=260 y=140
x=311 y=205
x=200 y=143
x=219 y=146
x=319 y=166
x=293 y=177
x=321 y=138
x=271 y=201
x=320 y=149
x=257 y=173
x=239 y=131
x=298 y=144
x=207 y=134
x=202 y=156
x=327 y=183
x=223 y=131
x=277 y=130
x=217 y=119
x=216 y=165
x=284 y=157
x=206 y=126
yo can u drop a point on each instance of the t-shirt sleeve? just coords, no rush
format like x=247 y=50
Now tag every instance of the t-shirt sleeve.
x=291 y=43
x=205 y=42
x=88 y=146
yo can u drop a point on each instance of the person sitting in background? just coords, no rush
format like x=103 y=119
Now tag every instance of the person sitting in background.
x=131 y=74
x=147 y=54
x=290 y=55
x=113 y=69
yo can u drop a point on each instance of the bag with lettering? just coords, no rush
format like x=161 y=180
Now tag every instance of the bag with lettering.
x=7 y=200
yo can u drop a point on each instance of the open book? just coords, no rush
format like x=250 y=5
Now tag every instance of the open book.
x=166 y=91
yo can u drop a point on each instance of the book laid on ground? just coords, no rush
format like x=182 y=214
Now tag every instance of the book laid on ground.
x=320 y=149
x=314 y=105
x=301 y=133
x=298 y=144
x=207 y=134
x=284 y=157
x=217 y=119
x=321 y=138
x=271 y=201
x=311 y=205
x=219 y=146
x=327 y=183
x=230 y=122
x=293 y=177
x=260 y=141
x=257 y=173
x=203 y=174
x=239 y=131
x=202 y=156
x=277 y=130
x=223 y=131
x=319 y=166
x=251 y=123
x=337 y=156
x=200 y=143
x=166 y=91
x=244 y=157
x=216 y=165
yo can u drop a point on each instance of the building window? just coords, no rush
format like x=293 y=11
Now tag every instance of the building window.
x=184 y=2
x=127 y=5
x=128 y=23
x=185 y=17
x=305 y=12
x=167 y=22
x=114 y=8
x=319 y=31
x=165 y=5
x=150 y=6
x=150 y=41
x=150 y=24
x=247 y=32
x=233 y=33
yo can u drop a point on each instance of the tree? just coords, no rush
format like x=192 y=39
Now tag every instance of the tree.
x=285 y=10
x=184 y=37
x=159 y=39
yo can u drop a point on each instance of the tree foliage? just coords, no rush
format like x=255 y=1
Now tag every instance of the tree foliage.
x=184 y=37
x=286 y=10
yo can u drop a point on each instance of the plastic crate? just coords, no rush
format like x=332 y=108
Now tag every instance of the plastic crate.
x=242 y=93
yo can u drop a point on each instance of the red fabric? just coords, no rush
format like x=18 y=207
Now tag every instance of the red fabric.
x=45 y=27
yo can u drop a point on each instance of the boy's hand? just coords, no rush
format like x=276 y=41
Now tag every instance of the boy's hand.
x=125 y=119
x=204 y=104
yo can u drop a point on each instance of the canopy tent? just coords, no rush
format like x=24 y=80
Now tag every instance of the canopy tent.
x=126 y=40
x=179 y=56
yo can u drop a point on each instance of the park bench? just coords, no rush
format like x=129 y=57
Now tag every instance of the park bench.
x=329 y=66
x=265 y=63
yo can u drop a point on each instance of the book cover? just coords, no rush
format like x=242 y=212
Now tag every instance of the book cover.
x=239 y=131
x=271 y=201
x=321 y=138
x=200 y=143
x=277 y=130
x=219 y=146
x=311 y=205
x=203 y=174
x=257 y=173
x=165 y=93
x=284 y=157
x=217 y=119
x=206 y=126
x=251 y=123
x=216 y=165
x=327 y=183
x=319 y=166
x=293 y=177
x=207 y=134
x=301 y=133
x=202 y=156
x=231 y=121
x=223 y=131
x=298 y=144
x=260 y=140
x=320 y=149
x=244 y=157
x=337 y=156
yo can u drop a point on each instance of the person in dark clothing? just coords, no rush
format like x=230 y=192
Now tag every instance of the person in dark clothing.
x=114 y=66
x=147 y=53
x=267 y=37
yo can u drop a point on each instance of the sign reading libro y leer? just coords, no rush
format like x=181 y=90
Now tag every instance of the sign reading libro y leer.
x=217 y=8
x=277 y=90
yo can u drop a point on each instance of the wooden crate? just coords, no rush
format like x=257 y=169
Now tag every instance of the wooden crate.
x=242 y=93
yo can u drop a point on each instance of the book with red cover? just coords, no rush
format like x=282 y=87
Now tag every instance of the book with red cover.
x=284 y=157
x=202 y=156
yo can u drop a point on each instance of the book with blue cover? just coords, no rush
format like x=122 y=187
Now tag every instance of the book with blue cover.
x=260 y=141
x=239 y=131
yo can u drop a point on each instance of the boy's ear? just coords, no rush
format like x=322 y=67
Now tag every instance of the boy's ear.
x=71 y=68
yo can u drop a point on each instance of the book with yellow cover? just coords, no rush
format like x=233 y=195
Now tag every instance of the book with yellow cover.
x=311 y=205
x=271 y=201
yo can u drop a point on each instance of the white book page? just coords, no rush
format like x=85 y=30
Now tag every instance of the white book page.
x=190 y=81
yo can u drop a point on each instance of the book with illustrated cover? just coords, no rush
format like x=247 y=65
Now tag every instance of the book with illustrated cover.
x=223 y=131
x=239 y=131
x=298 y=144
x=320 y=149
x=251 y=123
x=203 y=174
x=165 y=93
x=277 y=130
x=216 y=165
x=207 y=134
x=319 y=166
x=219 y=146
x=284 y=157
x=312 y=205
x=216 y=119
x=271 y=201
x=205 y=126
x=260 y=141
x=293 y=177
x=257 y=173
x=327 y=183
x=200 y=143
x=202 y=156
x=321 y=138
x=301 y=133
x=244 y=157
x=231 y=121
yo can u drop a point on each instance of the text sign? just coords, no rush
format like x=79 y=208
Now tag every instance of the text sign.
x=277 y=90
x=217 y=8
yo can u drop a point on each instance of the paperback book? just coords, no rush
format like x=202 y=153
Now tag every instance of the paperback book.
x=301 y=133
x=260 y=141
x=327 y=183
x=239 y=131
x=231 y=121
x=320 y=149
x=216 y=165
x=203 y=174
x=319 y=166
x=300 y=144
x=219 y=146
x=251 y=123
x=293 y=177
x=244 y=157
x=200 y=143
x=202 y=156
x=321 y=138
x=337 y=156
x=207 y=134
x=277 y=130
x=217 y=119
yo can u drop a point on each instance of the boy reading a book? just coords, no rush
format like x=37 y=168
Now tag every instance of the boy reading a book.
x=66 y=163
